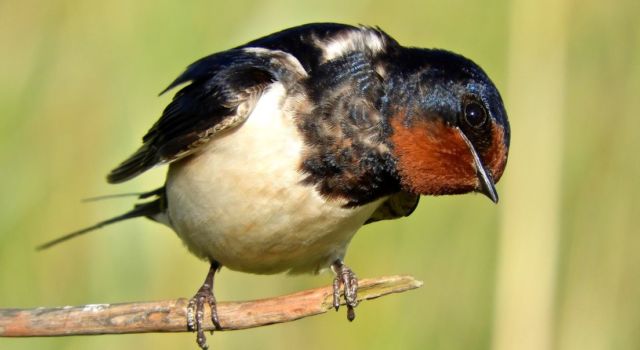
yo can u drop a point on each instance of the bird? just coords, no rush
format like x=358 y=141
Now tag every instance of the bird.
x=280 y=149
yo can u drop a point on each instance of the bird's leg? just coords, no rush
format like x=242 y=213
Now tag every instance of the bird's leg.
x=195 y=309
x=346 y=278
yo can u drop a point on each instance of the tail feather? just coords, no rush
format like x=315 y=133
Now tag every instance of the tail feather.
x=111 y=196
x=140 y=195
x=148 y=209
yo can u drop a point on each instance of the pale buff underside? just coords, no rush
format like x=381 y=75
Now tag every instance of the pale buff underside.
x=240 y=200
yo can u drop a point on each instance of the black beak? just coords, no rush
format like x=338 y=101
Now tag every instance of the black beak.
x=487 y=186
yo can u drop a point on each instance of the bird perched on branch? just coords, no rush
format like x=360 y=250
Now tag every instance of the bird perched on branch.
x=279 y=150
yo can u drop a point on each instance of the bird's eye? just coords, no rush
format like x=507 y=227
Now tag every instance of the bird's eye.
x=474 y=114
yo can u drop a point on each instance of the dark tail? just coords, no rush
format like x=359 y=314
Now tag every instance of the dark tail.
x=148 y=209
x=141 y=195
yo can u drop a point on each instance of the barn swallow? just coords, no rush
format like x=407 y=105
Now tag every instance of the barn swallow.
x=279 y=150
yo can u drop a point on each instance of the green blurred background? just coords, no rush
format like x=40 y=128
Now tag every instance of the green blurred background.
x=553 y=266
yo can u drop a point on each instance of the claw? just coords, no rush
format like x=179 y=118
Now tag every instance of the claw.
x=345 y=277
x=214 y=312
x=195 y=309
x=336 y=292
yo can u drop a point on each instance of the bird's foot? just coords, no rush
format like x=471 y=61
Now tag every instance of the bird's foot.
x=195 y=309
x=346 y=278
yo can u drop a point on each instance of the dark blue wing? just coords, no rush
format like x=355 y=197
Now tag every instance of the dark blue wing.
x=218 y=85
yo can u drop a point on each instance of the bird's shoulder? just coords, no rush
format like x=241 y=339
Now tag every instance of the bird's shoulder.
x=222 y=89
x=220 y=93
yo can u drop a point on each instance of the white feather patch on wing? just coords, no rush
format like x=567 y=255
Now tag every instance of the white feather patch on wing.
x=284 y=58
x=362 y=39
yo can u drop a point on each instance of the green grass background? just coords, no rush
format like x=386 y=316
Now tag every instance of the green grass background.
x=554 y=266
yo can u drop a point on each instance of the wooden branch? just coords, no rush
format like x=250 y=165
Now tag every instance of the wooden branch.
x=170 y=315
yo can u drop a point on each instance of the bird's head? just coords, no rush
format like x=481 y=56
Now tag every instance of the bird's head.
x=449 y=129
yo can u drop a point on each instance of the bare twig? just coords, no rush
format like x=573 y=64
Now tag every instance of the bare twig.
x=170 y=315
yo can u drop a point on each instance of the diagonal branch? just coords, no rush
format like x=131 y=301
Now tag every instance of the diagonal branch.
x=170 y=315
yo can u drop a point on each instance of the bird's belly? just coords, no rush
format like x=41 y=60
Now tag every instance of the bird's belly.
x=241 y=200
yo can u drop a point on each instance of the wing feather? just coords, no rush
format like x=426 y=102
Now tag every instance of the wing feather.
x=221 y=93
x=398 y=205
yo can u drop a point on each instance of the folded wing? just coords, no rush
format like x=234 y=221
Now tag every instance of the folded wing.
x=222 y=91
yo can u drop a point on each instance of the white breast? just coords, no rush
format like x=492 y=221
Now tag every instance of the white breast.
x=241 y=201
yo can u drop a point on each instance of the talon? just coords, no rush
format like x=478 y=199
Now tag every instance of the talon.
x=350 y=287
x=214 y=312
x=336 y=293
x=195 y=308
x=345 y=277
x=351 y=314
x=191 y=322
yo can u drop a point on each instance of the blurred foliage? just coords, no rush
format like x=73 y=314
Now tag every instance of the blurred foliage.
x=78 y=85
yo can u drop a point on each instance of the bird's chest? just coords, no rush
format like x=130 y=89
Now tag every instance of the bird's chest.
x=242 y=200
